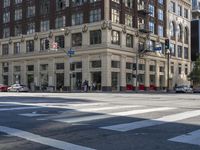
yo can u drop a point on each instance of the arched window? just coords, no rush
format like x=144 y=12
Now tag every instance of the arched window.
x=179 y=32
x=172 y=30
x=186 y=35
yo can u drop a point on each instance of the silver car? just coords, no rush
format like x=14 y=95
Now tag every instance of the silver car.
x=183 y=89
x=18 y=88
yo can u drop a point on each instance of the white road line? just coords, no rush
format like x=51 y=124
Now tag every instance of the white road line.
x=110 y=115
x=190 y=138
x=42 y=140
x=147 y=123
x=18 y=108
x=56 y=105
x=33 y=115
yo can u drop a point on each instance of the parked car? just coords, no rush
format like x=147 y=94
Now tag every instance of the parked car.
x=3 y=88
x=183 y=89
x=196 y=89
x=18 y=88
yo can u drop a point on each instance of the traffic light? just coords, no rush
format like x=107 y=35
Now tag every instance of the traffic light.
x=46 y=44
x=167 y=44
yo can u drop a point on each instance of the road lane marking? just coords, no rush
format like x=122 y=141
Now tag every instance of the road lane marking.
x=152 y=122
x=18 y=108
x=42 y=140
x=33 y=115
x=190 y=138
x=110 y=115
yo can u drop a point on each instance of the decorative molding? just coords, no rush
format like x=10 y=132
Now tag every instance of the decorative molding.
x=67 y=31
x=109 y=25
x=22 y=39
x=36 y=36
x=124 y=29
x=50 y=34
x=10 y=41
x=85 y=28
x=104 y=25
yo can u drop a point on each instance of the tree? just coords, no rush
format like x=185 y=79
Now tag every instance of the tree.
x=195 y=74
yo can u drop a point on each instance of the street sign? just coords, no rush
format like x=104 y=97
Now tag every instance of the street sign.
x=157 y=48
x=70 y=52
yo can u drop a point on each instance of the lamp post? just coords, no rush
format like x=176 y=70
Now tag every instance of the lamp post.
x=168 y=65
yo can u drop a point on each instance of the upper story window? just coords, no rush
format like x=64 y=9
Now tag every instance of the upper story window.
x=151 y=26
x=186 y=35
x=44 y=6
x=78 y=2
x=43 y=43
x=18 y=30
x=115 y=37
x=173 y=49
x=5 y=49
x=31 y=28
x=179 y=51
x=44 y=25
x=172 y=30
x=115 y=16
x=179 y=10
x=6 y=32
x=160 y=30
x=160 y=2
x=76 y=39
x=77 y=19
x=160 y=14
x=60 y=40
x=179 y=32
x=128 y=20
x=129 y=3
x=17 y=46
x=129 y=40
x=95 y=37
x=29 y=46
x=18 y=14
x=6 y=3
x=186 y=13
x=116 y=1
x=30 y=67
x=60 y=4
x=151 y=10
x=95 y=15
x=186 y=53
x=18 y=1
x=172 y=7
x=60 y=22
x=30 y=11
x=6 y=17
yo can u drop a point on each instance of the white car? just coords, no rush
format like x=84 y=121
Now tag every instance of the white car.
x=18 y=88
x=183 y=89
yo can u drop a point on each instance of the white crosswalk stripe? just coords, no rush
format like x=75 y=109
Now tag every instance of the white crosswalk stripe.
x=190 y=138
x=42 y=140
x=18 y=108
x=148 y=123
x=110 y=115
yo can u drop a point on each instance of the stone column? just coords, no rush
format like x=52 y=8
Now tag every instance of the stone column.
x=106 y=34
x=147 y=75
x=23 y=73
x=157 y=75
x=51 y=73
x=86 y=68
x=1 y=73
x=106 y=71
x=123 y=73
x=37 y=74
x=67 y=75
x=106 y=9
x=37 y=45
x=10 y=75
x=11 y=48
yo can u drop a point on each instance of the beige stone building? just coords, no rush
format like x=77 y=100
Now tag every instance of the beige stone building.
x=107 y=37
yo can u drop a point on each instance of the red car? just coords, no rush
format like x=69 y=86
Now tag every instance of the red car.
x=3 y=88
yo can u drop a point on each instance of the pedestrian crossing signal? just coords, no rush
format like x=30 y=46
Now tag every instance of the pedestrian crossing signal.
x=46 y=44
x=167 y=43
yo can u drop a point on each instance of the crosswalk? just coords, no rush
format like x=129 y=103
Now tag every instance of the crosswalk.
x=101 y=112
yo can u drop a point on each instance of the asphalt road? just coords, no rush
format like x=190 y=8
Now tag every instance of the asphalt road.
x=102 y=121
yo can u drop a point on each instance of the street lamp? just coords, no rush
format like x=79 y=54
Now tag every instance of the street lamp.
x=168 y=65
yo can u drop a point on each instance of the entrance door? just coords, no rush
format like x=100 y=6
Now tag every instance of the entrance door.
x=59 y=81
x=30 y=81
x=96 y=80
